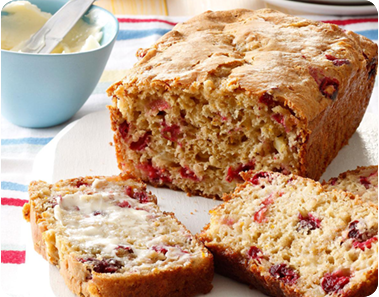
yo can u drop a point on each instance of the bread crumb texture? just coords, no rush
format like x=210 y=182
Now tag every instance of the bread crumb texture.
x=288 y=236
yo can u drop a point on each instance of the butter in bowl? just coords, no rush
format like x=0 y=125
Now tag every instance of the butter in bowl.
x=43 y=90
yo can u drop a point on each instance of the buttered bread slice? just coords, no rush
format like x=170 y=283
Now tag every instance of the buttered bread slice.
x=108 y=237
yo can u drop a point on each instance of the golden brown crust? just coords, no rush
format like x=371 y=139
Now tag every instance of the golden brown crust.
x=229 y=32
x=181 y=281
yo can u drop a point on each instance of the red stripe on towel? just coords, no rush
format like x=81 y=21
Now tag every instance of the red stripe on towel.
x=129 y=20
x=352 y=21
x=13 y=257
x=13 y=201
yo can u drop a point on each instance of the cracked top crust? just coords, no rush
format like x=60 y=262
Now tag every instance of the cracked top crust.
x=255 y=52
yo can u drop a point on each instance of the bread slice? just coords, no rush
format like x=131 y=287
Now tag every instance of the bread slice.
x=230 y=91
x=363 y=181
x=108 y=237
x=288 y=236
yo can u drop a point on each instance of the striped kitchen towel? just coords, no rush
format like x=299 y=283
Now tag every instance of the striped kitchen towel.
x=19 y=146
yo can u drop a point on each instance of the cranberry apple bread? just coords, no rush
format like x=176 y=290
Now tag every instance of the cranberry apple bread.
x=362 y=181
x=237 y=90
x=287 y=236
x=108 y=237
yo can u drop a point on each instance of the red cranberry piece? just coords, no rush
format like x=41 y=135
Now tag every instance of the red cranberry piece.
x=278 y=118
x=160 y=249
x=334 y=282
x=97 y=212
x=123 y=129
x=141 y=196
x=185 y=172
x=122 y=251
x=107 y=266
x=154 y=174
x=124 y=204
x=310 y=222
x=233 y=174
x=361 y=240
x=260 y=215
x=103 y=266
x=255 y=253
x=316 y=74
x=141 y=53
x=355 y=233
x=329 y=87
x=159 y=105
x=228 y=221
x=364 y=181
x=284 y=273
x=125 y=248
x=333 y=181
x=87 y=260
x=129 y=191
x=141 y=143
x=336 y=61
x=80 y=183
x=170 y=132
x=365 y=244
x=263 y=174
x=270 y=199
x=267 y=99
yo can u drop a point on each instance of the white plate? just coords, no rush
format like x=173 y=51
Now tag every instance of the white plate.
x=324 y=8
x=338 y=2
x=83 y=148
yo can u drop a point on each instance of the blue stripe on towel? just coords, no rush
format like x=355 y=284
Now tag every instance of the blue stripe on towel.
x=134 y=34
x=13 y=186
x=370 y=34
x=27 y=140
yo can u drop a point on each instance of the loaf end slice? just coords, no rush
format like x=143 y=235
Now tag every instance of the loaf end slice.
x=363 y=181
x=288 y=236
x=108 y=237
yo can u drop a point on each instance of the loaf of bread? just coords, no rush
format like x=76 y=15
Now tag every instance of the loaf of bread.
x=288 y=236
x=362 y=181
x=108 y=237
x=237 y=90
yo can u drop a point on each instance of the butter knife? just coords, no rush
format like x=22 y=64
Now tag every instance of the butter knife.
x=57 y=27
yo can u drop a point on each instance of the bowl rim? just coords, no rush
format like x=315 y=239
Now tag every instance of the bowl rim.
x=77 y=53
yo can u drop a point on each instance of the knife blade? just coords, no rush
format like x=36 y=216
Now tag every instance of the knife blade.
x=57 y=27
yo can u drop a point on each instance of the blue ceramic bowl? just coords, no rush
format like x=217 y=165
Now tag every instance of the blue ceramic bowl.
x=43 y=90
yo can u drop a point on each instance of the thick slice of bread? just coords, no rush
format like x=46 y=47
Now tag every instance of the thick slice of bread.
x=362 y=181
x=108 y=237
x=288 y=236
